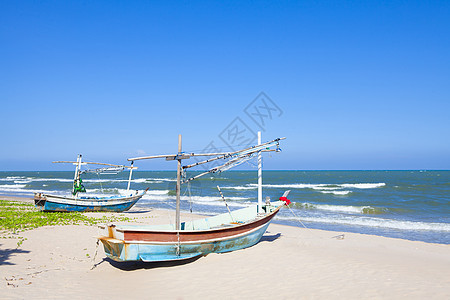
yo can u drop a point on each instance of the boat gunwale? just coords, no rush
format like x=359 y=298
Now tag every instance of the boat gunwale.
x=120 y=198
x=215 y=239
x=263 y=219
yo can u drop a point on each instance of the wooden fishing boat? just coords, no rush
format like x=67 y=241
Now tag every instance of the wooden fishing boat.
x=117 y=203
x=87 y=203
x=217 y=234
x=183 y=240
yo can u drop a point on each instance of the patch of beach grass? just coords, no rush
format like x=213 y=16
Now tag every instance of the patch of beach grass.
x=19 y=216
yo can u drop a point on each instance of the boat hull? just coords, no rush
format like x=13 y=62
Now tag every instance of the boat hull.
x=54 y=203
x=145 y=244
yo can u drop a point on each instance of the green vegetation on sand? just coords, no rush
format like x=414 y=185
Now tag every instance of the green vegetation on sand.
x=19 y=216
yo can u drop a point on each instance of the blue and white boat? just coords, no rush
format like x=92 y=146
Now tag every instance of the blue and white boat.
x=78 y=201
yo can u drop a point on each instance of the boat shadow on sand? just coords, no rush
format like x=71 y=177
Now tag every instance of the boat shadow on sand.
x=6 y=254
x=270 y=238
x=137 y=265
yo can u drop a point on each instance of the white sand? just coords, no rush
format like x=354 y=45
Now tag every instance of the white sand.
x=289 y=263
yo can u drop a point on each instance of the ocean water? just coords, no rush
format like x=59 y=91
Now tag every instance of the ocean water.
x=413 y=205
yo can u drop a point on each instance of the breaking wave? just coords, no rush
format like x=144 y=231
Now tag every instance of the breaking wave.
x=374 y=222
x=339 y=193
x=342 y=208
x=323 y=186
x=12 y=187
x=239 y=187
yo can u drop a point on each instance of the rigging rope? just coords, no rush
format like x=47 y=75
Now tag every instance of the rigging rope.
x=190 y=196
x=226 y=204
x=297 y=218
x=101 y=185
x=188 y=189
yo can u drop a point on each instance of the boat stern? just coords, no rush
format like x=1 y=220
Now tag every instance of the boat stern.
x=39 y=200
x=114 y=245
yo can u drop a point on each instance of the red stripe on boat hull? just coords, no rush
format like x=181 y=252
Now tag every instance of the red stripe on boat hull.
x=194 y=235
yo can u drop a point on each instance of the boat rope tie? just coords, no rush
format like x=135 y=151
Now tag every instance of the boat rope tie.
x=95 y=255
x=297 y=218
x=188 y=190
x=226 y=204
x=178 y=244
x=101 y=185
x=286 y=200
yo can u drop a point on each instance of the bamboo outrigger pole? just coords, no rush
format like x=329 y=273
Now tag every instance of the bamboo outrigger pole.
x=92 y=163
x=235 y=157
x=226 y=155
x=78 y=165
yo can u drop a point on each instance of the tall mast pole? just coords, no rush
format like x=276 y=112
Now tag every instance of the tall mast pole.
x=259 y=175
x=178 y=188
x=129 y=178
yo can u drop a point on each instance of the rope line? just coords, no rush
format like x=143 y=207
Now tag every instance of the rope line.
x=297 y=218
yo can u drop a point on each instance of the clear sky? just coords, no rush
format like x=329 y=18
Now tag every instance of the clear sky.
x=351 y=84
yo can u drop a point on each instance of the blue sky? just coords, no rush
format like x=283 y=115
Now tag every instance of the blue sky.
x=352 y=84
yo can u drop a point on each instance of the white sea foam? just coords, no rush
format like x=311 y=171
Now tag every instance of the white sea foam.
x=334 y=189
x=12 y=187
x=12 y=178
x=220 y=203
x=339 y=193
x=239 y=187
x=157 y=192
x=139 y=180
x=20 y=188
x=96 y=180
x=22 y=181
x=339 y=208
x=324 y=186
x=163 y=179
x=156 y=197
x=50 y=179
x=159 y=196
x=374 y=222
x=290 y=186
x=363 y=185
x=17 y=179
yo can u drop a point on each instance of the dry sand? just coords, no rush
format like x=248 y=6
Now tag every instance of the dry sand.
x=58 y=262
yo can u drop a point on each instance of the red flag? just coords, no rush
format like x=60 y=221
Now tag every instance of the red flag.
x=285 y=200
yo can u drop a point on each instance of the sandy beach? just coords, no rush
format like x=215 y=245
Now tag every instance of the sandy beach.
x=58 y=262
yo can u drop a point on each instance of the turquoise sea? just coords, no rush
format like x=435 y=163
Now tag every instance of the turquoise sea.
x=412 y=205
